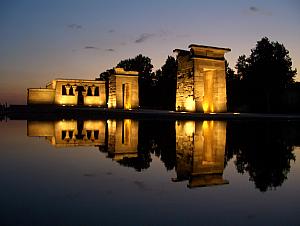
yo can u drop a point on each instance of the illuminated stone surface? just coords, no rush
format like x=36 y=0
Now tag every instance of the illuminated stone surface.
x=201 y=81
x=68 y=133
x=69 y=92
x=121 y=137
x=123 y=89
x=200 y=150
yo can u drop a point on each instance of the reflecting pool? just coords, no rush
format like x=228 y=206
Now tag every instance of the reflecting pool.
x=149 y=172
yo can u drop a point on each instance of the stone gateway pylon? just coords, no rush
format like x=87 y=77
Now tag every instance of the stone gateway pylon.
x=201 y=81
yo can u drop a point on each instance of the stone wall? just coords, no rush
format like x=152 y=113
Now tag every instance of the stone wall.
x=185 y=83
x=112 y=97
x=131 y=83
x=123 y=83
x=201 y=79
x=210 y=85
x=40 y=96
x=71 y=97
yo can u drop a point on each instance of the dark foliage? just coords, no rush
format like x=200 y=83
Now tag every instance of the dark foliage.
x=166 y=84
x=263 y=150
x=262 y=79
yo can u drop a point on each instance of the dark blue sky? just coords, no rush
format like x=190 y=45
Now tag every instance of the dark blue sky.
x=42 y=40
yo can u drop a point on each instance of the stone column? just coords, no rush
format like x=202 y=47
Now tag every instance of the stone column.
x=84 y=93
x=68 y=87
x=74 y=90
x=93 y=90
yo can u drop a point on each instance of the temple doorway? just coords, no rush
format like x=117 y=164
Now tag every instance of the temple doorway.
x=208 y=91
x=80 y=90
x=126 y=96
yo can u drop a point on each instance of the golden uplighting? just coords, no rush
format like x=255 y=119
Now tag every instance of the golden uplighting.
x=190 y=104
x=205 y=107
x=127 y=106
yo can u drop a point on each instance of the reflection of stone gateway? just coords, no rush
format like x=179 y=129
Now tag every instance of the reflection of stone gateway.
x=122 y=139
x=200 y=150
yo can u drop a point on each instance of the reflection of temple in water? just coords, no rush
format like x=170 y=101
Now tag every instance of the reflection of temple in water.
x=68 y=133
x=122 y=139
x=119 y=138
x=200 y=149
x=200 y=146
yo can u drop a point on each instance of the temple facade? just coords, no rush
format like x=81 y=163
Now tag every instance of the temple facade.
x=123 y=92
x=201 y=81
x=123 y=89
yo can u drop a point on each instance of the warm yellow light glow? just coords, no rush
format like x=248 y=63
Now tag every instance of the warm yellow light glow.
x=204 y=125
x=236 y=113
x=189 y=128
x=127 y=106
x=207 y=124
x=111 y=104
x=205 y=107
x=189 y=104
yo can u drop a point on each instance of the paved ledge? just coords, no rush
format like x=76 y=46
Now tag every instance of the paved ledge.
x=63 y=112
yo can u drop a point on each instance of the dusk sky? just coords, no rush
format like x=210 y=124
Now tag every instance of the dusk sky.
x=43 y=40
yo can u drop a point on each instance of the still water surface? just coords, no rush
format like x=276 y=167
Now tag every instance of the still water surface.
x=128 y=172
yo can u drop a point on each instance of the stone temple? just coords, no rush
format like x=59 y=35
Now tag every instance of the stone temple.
x=201 y=81
x=123 y=90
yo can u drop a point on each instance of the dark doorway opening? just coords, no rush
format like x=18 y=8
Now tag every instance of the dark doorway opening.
x=80 y=90
x=123 y=95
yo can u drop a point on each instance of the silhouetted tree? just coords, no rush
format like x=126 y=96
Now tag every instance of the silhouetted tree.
x=232 y=85
x=266 y=73
x=263 y=150
x=166 y=82
x=140 y=63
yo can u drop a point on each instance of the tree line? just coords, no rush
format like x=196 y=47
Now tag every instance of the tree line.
x=263 y=82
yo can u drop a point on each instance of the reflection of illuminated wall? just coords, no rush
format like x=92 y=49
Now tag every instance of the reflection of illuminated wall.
x=200 y=149
x=122 y=138
x=69 y=132
x=201 y=82
x=123 y=89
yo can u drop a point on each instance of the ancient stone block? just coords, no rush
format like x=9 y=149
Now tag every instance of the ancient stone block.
x=201 y=83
